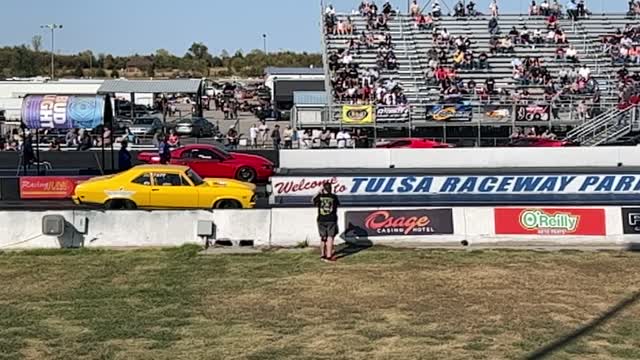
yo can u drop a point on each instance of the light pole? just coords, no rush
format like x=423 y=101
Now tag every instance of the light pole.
x=53 y=28
x=264 y=43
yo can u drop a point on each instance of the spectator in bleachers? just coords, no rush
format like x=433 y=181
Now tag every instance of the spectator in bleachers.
x=387 y=10
x=414 y=9
x=560 y=54
x=483 y=61
x=552 y=22
x=534 y=9
x=459 y=9
x=424 y=22
x=572 y=10
x=634 y=8
x=560 y=37
x=471 y=9
x=572 y=54
x=436 y=11
x=493 y=8
x=494 y=28
x=538 y=38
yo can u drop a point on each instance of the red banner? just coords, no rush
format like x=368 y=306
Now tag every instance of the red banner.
x=521 y=221
x=49 y=187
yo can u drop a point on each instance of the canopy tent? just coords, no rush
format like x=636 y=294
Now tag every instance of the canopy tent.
x=181 y=86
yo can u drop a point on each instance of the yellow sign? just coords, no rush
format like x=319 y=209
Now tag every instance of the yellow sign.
x=357 y=114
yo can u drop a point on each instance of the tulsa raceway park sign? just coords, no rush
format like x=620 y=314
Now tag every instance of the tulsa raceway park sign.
x=486 y=189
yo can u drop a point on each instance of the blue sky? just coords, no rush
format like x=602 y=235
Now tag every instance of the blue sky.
x=125 y=27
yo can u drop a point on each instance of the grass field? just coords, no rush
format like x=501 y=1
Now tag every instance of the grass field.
x=377 y=304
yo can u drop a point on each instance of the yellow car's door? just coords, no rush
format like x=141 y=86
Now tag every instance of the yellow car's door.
x=172 y=190
x=139 y=189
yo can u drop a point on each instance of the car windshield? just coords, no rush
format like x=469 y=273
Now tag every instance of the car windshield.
x=144 y=122
x=195 y=178
x=185 y=121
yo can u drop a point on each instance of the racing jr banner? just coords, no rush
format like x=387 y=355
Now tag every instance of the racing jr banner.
x=533 y=113
x=485 y=189
x=556 y=222
x=63 y=112
x=357 y=114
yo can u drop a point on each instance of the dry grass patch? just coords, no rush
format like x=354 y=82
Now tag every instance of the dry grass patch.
x=378 y=304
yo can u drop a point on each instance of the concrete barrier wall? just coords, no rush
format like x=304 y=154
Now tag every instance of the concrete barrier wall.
x=278 y=227
x=471 y=158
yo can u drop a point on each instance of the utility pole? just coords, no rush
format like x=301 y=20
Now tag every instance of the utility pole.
x=264 y=43
x=53 y=28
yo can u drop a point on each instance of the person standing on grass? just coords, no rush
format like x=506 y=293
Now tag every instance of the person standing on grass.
x=327 y=204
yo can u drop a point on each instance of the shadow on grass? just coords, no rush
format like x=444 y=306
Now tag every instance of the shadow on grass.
x=584 y=330
x=356 y=240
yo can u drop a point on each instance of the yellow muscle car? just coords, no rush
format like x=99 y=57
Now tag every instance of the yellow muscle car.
x=164 y=187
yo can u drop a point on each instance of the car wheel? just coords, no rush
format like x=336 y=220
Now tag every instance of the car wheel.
x=118 y=204
x=130 y=205
x=111 y=205
x=227 y=204
x=246 y=174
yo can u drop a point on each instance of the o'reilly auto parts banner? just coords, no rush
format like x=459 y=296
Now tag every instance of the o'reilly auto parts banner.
x=631 y=221
x=546 y=221
x=400 y=222
x=536 y=189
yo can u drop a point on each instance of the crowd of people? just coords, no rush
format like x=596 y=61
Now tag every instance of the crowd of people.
x=353 y=83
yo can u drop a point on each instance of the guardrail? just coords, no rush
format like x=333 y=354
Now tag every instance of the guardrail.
x=564 y=227
x=459 y=113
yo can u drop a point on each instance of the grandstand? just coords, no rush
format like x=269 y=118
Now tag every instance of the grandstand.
x=587 y=111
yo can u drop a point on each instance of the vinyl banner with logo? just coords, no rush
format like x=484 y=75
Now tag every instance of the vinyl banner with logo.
x=631 y=221
x=49 y=187
x=452 y=112
x=357 y=114
x=63 y=111
x=388 y=114
x=533 y=113
x=512 y=189
x=400 y=222
x=549 y=221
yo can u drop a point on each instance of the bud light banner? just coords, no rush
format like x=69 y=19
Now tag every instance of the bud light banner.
x=400 y=222
x=443 y=190
x=63 y=111
x=553 y=222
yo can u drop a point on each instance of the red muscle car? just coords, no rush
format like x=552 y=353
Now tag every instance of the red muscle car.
x=209 y=161
x=539 y=142
x=414 y=144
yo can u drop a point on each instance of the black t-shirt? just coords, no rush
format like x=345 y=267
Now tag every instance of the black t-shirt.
x=327 y=207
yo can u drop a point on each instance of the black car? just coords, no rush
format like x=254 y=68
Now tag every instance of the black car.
x=196 y=127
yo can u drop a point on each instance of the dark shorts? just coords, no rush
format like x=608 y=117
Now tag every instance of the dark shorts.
x=327 y=229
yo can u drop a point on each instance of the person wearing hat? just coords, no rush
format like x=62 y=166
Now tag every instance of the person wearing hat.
x=327 y=203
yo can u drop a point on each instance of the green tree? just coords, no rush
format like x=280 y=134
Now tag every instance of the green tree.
x=77 y=72
x=36 y=43
x=101 y=73
x=115 y=74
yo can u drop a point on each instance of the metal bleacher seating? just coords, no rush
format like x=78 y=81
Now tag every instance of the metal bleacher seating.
x=411 y=46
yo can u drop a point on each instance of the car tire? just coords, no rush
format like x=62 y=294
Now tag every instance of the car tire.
x=246 y=174
x=118 y=204
x=130 y=205
x=227 y=204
